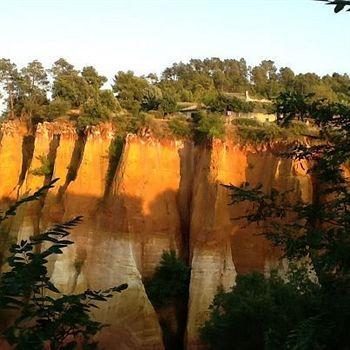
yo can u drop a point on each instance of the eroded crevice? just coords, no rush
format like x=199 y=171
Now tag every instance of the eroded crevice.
x=116 y=150
x=74 y=165
x=1 y=136
x=28 y=143
x=173 y=317
x=51 y=159
x=184 y=198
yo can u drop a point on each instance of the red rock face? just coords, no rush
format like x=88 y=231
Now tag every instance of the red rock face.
x=164 y=195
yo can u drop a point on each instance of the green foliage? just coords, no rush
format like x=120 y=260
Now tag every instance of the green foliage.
x=91 y=76
x=130 y=90
x=292 y=105
x=92 y=111
x=170 y=281
x=251 y=131
x=25 y=287
x=246 y=122
x=255 y=133
x=180 y=127
x=58 y=107
x=260 y=312
x=265 y=79
x=32 y=90
x=72 y=88
x=8 y=82
x=152 y=98
x=168 y=104
x=82 y=90
x=225 y=102
x=208 y=126
x=103 y=106
x=109 y=102
x=45 y=168
x=139 y=121
x=218 y=84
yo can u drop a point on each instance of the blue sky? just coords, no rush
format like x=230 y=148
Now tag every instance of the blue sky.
x=148 y=35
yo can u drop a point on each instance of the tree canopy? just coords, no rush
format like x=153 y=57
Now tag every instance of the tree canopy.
x=220 y=84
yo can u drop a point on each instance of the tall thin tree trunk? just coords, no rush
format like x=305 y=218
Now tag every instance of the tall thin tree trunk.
x=12 y=112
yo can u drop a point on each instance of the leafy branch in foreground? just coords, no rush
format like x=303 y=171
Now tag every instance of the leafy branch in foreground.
x=339 y=4
x=11 y=211
x=26 y=288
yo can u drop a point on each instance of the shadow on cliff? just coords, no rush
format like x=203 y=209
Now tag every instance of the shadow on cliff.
x=141 y=230
x=251 y=251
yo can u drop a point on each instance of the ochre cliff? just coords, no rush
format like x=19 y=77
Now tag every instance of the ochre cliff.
x=163 y=194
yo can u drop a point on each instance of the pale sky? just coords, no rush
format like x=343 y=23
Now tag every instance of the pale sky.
x=149 y=35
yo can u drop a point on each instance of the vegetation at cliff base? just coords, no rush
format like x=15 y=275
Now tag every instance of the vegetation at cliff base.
x=309 y=307
x=260 y=313
x=169 y=282
x=167 y=290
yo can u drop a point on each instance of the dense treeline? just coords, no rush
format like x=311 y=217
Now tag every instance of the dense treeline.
x=34 y=92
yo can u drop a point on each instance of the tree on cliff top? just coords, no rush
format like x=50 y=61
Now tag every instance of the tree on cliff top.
x=8 y=82
x=130 y=90
x=317 y=233
x=36 y=318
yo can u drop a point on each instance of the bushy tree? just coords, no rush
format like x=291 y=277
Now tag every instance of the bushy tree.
x=169 y=282
x=9 y=83
x=92 y=77
x=265 y=79
x=58 y=107
x=152 y=98
x=292 y=105
x=180 y=127
x=130 y=90
x=168 y=289
x=71 y=87
x=208 y=126
x=83 y=91
x=168 y=104
x=260 y=312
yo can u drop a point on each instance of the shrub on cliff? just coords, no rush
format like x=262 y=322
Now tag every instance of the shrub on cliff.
x=170 y=281
x=208 y=126
x=180 y=127
x=39 y=319
x=58 y=107
x=45 y=169
x=251 y=131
